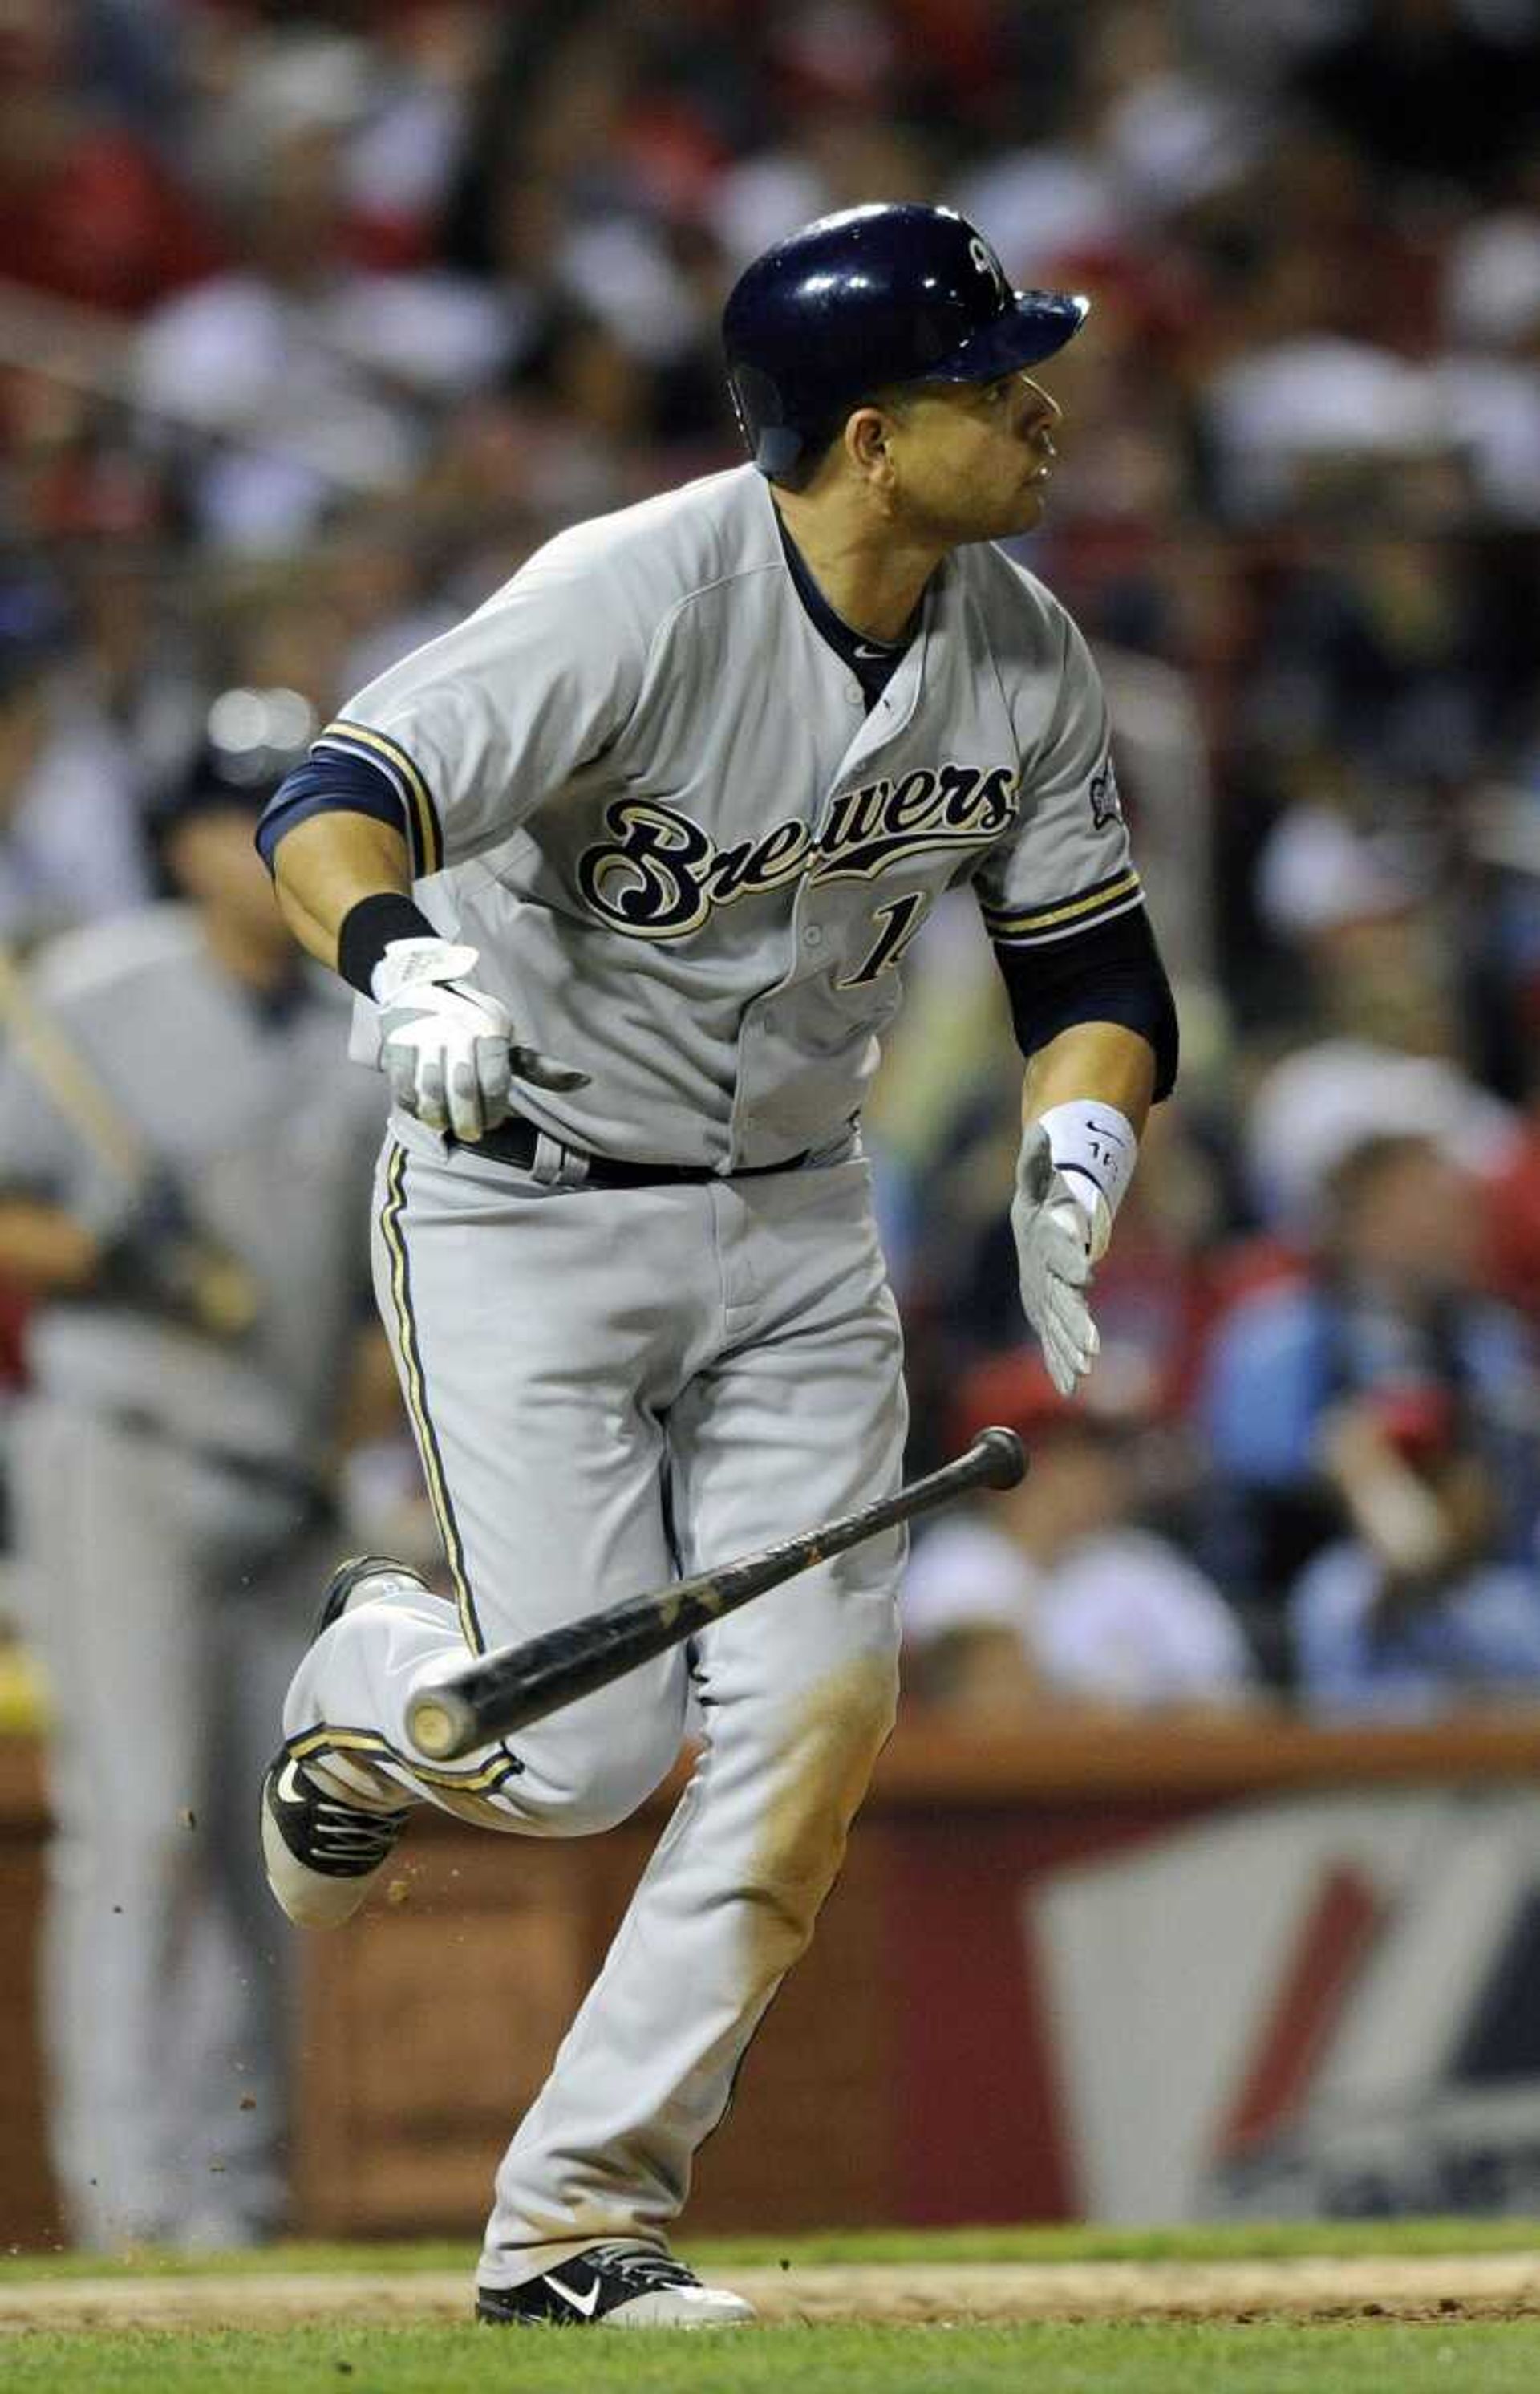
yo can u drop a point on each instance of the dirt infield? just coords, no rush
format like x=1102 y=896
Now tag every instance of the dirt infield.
x=1483 y=2285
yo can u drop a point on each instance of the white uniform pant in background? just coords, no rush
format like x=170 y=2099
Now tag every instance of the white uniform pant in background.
x=160 y=1596
x=609 y=1387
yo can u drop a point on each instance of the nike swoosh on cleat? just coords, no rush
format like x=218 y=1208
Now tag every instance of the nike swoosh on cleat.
x=585 y=2304
x=289 y=1790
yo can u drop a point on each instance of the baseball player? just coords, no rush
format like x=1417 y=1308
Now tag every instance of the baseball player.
x=184 y=1167
x=622 y=870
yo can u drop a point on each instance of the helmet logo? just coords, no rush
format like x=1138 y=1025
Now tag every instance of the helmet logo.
x=987 y=263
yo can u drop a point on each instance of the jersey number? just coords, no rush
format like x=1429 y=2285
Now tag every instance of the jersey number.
x=899 y=921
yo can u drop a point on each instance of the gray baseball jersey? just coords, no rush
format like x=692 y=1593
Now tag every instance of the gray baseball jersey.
x=642 y=784
x=157 y=1477
x=648 y=790
x=189 y=1060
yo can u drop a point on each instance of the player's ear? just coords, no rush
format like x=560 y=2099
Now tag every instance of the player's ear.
x=867 y=431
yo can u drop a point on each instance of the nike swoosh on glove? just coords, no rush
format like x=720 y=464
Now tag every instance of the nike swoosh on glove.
x=447 y=1048
x=1055 y=1244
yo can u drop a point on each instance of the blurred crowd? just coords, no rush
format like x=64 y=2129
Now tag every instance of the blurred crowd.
x=314 y=322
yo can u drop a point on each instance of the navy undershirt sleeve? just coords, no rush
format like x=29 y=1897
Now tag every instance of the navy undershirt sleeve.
x=1111 y=973
x=328 y=782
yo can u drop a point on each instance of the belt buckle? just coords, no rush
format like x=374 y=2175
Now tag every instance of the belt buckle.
x=556 y=1166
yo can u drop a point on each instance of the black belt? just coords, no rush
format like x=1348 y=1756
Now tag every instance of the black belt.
x=515 y=1141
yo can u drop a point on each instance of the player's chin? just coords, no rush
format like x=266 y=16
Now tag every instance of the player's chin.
x=1025 y=510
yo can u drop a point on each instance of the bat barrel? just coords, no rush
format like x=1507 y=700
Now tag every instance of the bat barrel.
x=514 y=1685
x=508 y=1690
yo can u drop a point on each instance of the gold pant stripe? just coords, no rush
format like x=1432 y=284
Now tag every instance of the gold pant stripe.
x=367 y=1741
x=416 y=1400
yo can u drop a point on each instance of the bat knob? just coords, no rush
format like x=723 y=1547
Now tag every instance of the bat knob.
x=1003 y=1459
x=440 y=1724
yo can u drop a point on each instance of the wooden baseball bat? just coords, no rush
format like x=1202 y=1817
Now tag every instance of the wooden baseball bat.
x=57 y=1066
x=509 y=1689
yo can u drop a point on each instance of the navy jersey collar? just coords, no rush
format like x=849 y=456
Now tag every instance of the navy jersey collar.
x=873 y=663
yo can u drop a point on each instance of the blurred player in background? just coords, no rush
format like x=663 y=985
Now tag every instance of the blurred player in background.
x=192 y=1239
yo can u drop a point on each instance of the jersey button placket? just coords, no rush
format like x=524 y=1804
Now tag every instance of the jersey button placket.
x=745 y=1121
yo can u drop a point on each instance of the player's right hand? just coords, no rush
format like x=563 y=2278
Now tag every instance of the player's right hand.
x=446 y=1047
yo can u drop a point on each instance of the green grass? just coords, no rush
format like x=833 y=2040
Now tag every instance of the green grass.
x=1241 y=2240
x=1500 y=2358
x=1366 y=2355
x=1260 y=2241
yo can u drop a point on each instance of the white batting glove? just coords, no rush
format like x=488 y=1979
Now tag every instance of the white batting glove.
x=1057 y=1242
x=445 y=1047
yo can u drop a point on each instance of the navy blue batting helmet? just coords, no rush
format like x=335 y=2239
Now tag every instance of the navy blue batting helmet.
x=868 y=300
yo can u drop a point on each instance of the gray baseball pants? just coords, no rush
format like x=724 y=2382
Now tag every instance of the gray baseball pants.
x=162 y=1596
x=609 y=1387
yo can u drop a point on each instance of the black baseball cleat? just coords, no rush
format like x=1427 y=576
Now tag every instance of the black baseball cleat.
x=324 y=1855
x=614 y=2285
x=347 y=1584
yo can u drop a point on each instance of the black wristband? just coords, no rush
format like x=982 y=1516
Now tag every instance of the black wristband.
x=368 y=929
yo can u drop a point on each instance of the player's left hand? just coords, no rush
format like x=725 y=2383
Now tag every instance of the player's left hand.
x=446 y=1047
x=1056 y=1245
